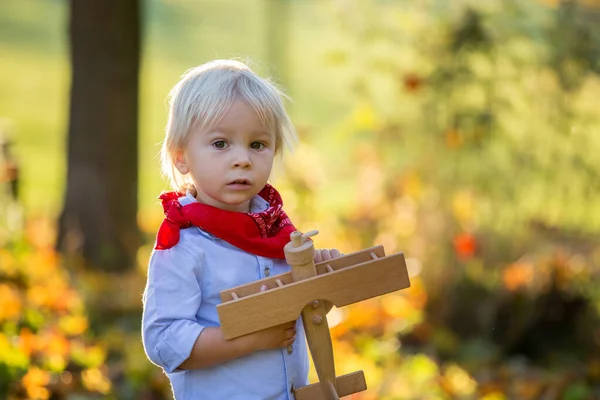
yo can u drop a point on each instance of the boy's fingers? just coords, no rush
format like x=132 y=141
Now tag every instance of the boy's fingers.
x=289 y=325
x=289 y=340
x=318 y=258
x=326 y=255
x=292 y=329
x=322 y=255
x=263 y=288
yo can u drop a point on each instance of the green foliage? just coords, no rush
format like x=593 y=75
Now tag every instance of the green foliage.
x=462 y=133
x=475 y=100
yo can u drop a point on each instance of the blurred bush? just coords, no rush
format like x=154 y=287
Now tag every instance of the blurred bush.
x=66 y=333
x=45 y=347
x=471 y=147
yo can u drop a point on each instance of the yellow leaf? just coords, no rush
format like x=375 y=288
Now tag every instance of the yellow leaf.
x=395 y=305
x=463 y=206
x=93 y=379
x=73 y=325
x=365 y=118
x=458 y=381
x=91 y=356
x=55 y=362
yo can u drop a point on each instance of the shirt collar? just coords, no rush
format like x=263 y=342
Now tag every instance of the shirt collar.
x=257 y=203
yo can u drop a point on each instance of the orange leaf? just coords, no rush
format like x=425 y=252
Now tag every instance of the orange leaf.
x=27 y=341
x=517 y=275
x=412 y=82
x=10 y=302
x=465 y=246
x=35 y=377
x=453 y=138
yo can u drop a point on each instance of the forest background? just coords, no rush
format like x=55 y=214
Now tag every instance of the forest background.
x=463 y=133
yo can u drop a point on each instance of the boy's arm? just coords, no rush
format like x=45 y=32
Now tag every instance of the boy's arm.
x=211 y=348
x=171 y=299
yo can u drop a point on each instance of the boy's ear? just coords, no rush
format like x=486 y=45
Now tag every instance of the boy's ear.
x=180 y=162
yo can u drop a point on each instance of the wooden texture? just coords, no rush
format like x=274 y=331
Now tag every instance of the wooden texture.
x=346 y=385
x=316 y=327
x=271 y=282
x=300 y=256
x=300 y=251
x=310 y=291
x=344 y=286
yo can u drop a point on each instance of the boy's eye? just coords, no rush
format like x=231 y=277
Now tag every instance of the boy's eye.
x=220 y=144
x=257 y=145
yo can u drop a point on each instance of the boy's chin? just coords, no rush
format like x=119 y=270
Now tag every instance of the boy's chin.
x=240 y=205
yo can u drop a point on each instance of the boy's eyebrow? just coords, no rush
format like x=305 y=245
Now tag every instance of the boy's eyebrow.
x=220 y=130
x=263 y=133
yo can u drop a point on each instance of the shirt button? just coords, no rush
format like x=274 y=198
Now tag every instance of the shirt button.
x=267 y=271
x=290 y=349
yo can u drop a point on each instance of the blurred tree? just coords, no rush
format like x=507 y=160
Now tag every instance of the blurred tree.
x=278 y=31
x=99 y=214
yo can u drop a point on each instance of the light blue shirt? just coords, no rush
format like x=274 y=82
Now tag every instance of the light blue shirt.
x=180 y=300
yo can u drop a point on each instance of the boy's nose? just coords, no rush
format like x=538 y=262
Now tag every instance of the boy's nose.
x=242 y=160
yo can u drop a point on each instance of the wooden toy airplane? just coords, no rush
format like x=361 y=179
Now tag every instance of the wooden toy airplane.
x=310 y=290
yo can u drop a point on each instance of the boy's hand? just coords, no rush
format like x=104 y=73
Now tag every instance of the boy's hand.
x=326 y=255
x=272 y=338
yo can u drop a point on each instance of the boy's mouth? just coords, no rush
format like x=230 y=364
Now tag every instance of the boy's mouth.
x=239 y=183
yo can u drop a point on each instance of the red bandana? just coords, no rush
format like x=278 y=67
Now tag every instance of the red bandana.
x=263 y=234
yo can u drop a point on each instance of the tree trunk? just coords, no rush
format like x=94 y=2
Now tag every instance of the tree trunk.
x=99 y=215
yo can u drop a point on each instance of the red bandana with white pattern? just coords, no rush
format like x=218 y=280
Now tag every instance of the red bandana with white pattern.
x=264 y=233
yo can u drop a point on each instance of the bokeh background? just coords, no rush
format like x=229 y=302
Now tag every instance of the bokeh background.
x=463 y=133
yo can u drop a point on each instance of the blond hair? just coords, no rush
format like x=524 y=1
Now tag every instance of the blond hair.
x=204 y=95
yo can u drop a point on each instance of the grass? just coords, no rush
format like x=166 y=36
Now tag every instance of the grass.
x=34 y=77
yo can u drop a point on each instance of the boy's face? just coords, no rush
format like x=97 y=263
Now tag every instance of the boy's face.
x=231 y=162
